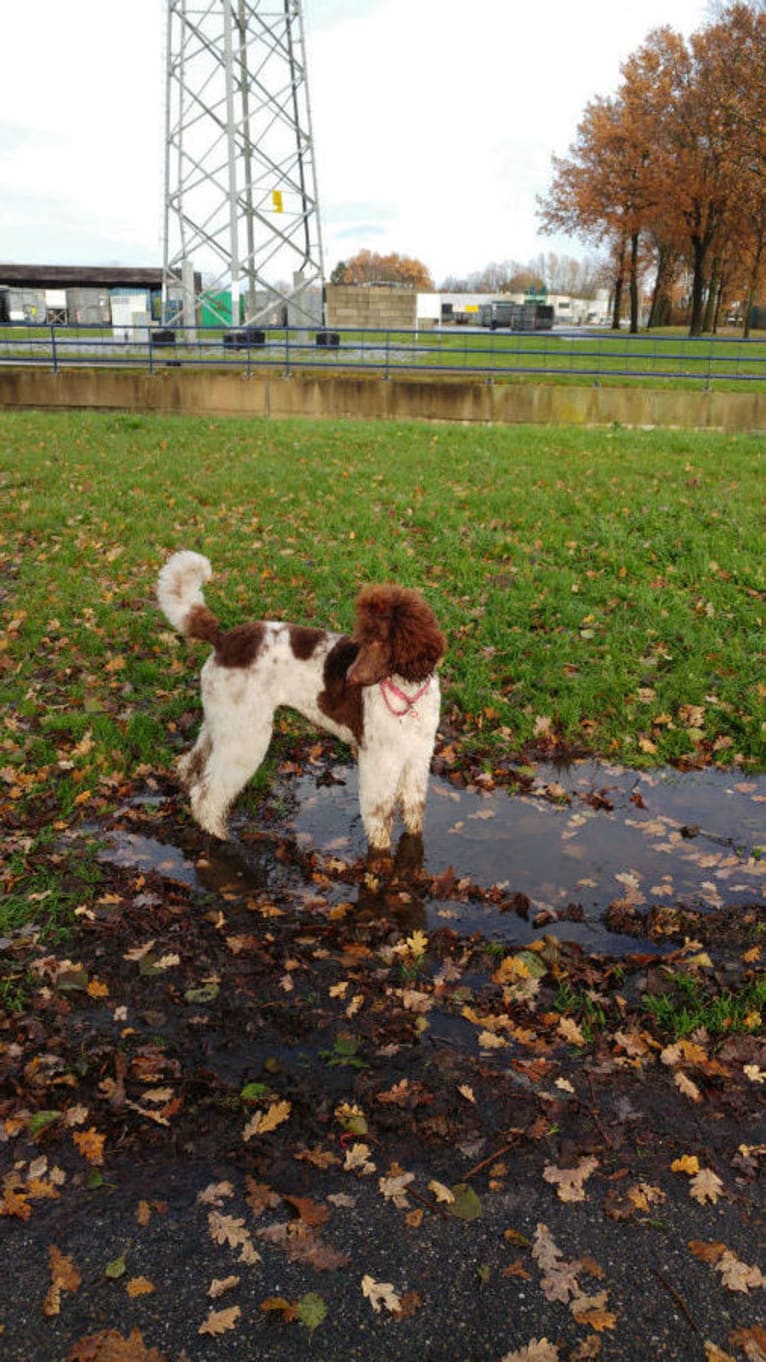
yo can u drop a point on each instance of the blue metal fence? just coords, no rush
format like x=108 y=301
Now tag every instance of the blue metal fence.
x=585 y=353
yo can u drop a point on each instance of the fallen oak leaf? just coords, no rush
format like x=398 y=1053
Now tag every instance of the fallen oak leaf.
x=220 y=1321
x=569 y=1181
x=110 y=1346
x=738 y=1276
x=264 y=1122
x=64 y=1277
x=394 y=1188
x=228 y=1231
x=752 y=1341
x=686 y=1086
x=537 y=1350
x=219 y=1286
x=380 y=1294
x=358 y=1160
x=215 y=1193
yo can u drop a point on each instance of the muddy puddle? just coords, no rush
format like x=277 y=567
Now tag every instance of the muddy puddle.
x=587 y=835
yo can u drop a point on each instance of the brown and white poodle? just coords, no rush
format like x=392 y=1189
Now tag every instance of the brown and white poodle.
x=376 y=689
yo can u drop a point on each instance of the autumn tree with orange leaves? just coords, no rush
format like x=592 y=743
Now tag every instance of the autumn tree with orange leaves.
x=367 y=267
x=672 y=169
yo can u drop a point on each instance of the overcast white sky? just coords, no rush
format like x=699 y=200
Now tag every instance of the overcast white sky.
x=434 y=122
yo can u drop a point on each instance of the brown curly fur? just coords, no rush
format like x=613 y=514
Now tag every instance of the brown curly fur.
x=398 y=618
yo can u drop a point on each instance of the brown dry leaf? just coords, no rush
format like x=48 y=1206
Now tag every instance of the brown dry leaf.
x=109 y=1346
x=537 y=1350
x=752 y=1341
x=738 y=1276
x=264 y=1121
x=570 y=1032
x=90 y=1144
x=715 y=1354
x=686 y=1086
x=302 y=1244
x=259 y=1196
x=643 y=1194
x=219 y=1286
x=595 y=1316
x=215 y=1193
x=140 y=1286
x=381 y=1294
x=398 y=1094
x=394 y=1188
x=705 y=1186
x=441 y=1192
x=586 y=1351
x=220 y=1321
x=64 y=1277
x=707 y=1252
x=310 y=1212
x=224 y=1229
x=569 y=1181
x=143 y=1213
x=358 y=1159
x=515 y=1269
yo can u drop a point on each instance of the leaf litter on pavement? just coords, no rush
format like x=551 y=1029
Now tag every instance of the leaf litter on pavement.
x=308 y=1092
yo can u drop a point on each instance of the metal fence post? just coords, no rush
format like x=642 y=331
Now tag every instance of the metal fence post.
x=54 y=356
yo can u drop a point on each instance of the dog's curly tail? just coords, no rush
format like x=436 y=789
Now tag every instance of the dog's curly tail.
x=179 y=593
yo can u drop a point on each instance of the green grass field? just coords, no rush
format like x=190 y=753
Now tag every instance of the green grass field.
x=601 y=590
x=611 y=581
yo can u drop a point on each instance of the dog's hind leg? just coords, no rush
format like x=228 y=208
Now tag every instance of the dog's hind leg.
x=232 y=758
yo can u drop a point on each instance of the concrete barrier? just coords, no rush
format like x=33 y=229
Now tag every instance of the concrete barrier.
x=372 y=397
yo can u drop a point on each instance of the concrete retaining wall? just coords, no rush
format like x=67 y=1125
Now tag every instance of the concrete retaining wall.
x=368 y=396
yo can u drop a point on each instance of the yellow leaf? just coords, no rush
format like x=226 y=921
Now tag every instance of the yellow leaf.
x=511 y=969
x=90 y=1144
x=688 y=1163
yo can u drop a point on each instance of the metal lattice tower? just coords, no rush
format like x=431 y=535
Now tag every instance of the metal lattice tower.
x=241 y=206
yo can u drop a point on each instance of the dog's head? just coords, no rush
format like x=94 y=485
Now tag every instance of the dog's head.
x=396 y=633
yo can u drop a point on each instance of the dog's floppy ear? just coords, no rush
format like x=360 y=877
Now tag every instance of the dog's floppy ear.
x=399 y=618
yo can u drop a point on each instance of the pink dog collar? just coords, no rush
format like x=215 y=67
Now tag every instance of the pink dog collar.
x=389 y=687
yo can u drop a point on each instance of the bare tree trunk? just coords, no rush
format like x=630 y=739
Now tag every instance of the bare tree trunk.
x=712 y=293
x=619 y=282
x=753 y=285
x=662 y=280
x=634 y=284
x=699 y=248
